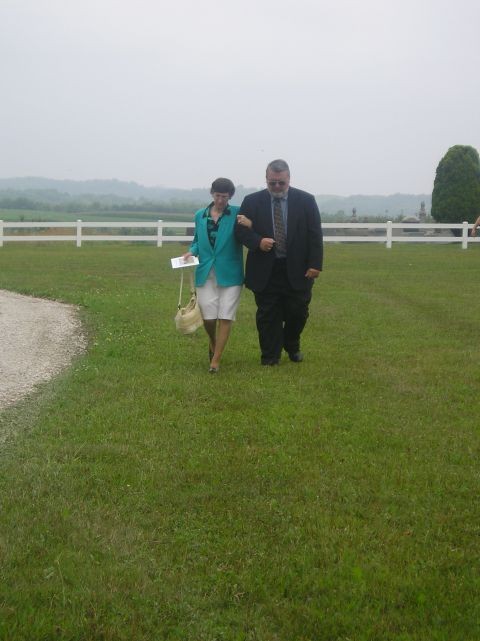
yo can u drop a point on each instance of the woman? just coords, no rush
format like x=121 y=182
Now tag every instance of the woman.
x=219 y=274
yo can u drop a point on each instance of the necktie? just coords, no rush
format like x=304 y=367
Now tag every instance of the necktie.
x=279 y=228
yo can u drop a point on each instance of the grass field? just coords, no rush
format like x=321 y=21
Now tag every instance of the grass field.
x=332 y=500
x=27 y=215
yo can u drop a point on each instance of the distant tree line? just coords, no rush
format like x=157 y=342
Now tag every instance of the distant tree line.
x=34 y=197
x=81 y=206
x=23 y=203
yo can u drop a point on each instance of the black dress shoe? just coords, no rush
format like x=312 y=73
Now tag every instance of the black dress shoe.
x=270 y=361
x=296 y=357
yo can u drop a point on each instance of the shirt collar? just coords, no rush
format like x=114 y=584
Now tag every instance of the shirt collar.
x=226 y=212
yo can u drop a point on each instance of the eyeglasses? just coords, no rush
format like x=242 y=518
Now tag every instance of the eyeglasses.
x=280 y=183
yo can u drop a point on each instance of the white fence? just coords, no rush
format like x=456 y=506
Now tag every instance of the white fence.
x=164 y=231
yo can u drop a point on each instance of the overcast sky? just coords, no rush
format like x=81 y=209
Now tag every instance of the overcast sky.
x=359 y=96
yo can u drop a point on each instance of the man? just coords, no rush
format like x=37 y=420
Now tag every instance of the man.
x=285 y=250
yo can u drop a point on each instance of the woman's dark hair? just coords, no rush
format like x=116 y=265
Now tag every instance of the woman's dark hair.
x=223 y=186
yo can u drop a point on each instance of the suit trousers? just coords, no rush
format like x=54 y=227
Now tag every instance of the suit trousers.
x=281 y=313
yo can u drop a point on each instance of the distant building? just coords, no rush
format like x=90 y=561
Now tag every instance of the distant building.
x=422 y=214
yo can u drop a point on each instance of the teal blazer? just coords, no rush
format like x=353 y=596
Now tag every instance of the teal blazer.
x=226 y=256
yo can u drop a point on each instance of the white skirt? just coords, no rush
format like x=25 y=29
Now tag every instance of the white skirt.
x=218 y=302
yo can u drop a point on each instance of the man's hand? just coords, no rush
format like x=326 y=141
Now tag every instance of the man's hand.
x=266 y=244
x=312 y=273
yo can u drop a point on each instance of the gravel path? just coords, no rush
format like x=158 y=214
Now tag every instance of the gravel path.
x=38 y=338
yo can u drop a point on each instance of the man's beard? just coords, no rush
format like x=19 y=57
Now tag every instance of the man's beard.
x=279 y=194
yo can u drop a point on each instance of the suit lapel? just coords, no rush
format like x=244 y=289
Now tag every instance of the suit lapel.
x=291 y=215
x=266 y=206
x=205 y=243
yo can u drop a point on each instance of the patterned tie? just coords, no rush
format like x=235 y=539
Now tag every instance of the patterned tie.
x=279 y=228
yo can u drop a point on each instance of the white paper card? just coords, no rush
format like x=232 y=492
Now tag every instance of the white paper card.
x=180 y=262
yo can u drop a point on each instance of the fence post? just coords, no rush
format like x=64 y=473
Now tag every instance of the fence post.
x=389 y=234
x=464 y=235
x=79 y=233
x=160 y=233
x=1 y=233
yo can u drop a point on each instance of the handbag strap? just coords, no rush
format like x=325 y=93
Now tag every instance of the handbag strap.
x=192 y=287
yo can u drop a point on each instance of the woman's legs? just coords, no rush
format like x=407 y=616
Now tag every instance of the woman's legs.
x=211 y=329
x=224 y=327
x=218 y=301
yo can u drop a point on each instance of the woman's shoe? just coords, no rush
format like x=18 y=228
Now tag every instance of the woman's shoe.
x=213 y=370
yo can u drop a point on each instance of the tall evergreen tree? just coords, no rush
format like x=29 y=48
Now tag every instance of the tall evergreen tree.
x=456 y=190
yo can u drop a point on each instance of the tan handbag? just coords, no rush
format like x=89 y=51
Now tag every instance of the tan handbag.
x=189 y=318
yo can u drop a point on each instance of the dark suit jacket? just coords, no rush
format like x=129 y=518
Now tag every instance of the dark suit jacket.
x=304 y=238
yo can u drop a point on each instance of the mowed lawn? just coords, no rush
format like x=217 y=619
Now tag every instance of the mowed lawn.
x=143 y=499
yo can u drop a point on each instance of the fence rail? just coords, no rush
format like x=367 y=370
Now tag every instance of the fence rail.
x=165 y=231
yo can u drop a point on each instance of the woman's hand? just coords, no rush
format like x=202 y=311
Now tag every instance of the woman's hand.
x=266 y=244
x=186 y=257
x=244 y=221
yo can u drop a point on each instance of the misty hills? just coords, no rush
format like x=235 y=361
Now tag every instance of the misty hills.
x=59 y=190
x=393 y=206
x=121 y=193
